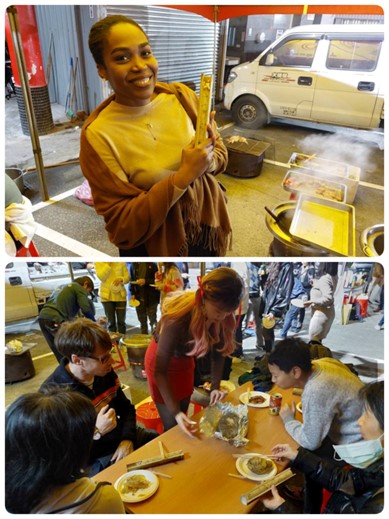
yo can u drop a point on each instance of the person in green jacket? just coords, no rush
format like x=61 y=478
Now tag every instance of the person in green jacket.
x=64 y=304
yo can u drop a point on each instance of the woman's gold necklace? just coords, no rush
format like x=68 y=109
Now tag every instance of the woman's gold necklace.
x=150 y=128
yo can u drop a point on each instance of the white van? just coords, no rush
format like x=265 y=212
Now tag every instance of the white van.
x=332 y=74
x=29 y=285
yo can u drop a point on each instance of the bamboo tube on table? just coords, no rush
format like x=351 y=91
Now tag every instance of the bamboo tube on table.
x=265 y=486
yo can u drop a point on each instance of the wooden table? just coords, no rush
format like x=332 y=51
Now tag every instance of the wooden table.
x=200 y=482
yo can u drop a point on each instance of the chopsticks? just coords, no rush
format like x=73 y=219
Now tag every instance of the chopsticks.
x=161 y=474
x=270 y=456
x=237 y=476
x=163 y=456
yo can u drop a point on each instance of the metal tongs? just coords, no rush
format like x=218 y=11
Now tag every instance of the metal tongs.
x=284 y=228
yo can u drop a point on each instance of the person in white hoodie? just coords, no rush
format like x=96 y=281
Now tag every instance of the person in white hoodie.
x=20 y=225
x=322 y=298
x=113 y=276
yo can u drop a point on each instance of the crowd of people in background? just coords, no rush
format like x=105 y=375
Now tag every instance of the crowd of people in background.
x=279 y=297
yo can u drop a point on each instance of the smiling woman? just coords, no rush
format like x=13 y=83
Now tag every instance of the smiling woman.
x=155 y=188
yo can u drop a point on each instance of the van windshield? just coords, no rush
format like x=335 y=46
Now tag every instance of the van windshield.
x=295 y=53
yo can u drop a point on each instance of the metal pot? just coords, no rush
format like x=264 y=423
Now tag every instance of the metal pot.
x=284 y=244
x=372 y=240
x=136 y=346
x=17 y=176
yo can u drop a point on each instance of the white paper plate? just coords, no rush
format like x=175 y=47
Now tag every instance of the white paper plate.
x=297 y=302
x=227 y=385
x=115 y=289
x=141 y=494
x=245 y=398
x=241 y=467
x=299 y=407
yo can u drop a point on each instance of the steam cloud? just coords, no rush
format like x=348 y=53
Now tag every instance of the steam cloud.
x=340 y=149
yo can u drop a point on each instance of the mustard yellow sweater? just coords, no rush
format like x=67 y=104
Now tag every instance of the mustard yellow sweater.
x=155 y=215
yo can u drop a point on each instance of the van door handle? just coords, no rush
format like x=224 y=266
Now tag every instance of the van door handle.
x=366 y=86
x=15 y=280
x=304 y=80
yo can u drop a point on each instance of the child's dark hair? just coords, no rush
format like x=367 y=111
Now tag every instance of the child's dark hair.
x=290 y=353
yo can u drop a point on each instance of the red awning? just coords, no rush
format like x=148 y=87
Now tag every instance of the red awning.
x=218 y=13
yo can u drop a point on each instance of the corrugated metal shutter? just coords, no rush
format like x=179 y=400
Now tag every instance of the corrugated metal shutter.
x=358 y=19
x=57 y=24
x=183 y=42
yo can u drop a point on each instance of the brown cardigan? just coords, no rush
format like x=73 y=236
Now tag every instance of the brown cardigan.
x=134 y=216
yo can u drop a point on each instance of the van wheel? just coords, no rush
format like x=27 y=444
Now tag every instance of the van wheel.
x=249 y=112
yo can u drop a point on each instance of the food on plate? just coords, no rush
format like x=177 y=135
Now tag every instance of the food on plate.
x=15 y=345
x=257 y=399
x=207 y=386
x=236 y=138
x=133 y=484
x=259 y=465
x=224 y=386
x=318 y=164
x=229 y=425
x=314 y=186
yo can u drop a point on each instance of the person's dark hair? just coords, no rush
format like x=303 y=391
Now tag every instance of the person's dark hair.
x=48 y=437
x=373 y=397
x=289 y=353
x=85 y=279
x=330 y=268
x=80 y=337
x=223 y=286
x=99 y=32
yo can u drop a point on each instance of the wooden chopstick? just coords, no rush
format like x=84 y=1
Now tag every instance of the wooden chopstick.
x=237 y=476
x=162 y=474
x=258 y=453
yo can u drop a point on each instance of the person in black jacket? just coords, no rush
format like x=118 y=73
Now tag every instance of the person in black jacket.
x=142 y=288
x=275 y=299
x=357 y=487
x=87 y=368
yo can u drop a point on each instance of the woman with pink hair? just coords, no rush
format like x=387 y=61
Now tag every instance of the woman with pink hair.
x=192 y=324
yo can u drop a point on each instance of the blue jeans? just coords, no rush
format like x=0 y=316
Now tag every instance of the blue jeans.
x=291 y=314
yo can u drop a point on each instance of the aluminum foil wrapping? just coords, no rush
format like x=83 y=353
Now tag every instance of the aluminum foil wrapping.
x=227 y=422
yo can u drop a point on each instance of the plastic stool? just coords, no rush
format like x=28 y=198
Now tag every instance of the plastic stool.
x=147 y=414
x=364 y=304
x=31 y=250
x=118 y=363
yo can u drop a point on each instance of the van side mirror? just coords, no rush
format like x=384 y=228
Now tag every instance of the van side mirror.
x=269 y=59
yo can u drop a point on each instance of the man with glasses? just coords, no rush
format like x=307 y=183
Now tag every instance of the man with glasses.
x=86 y=367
